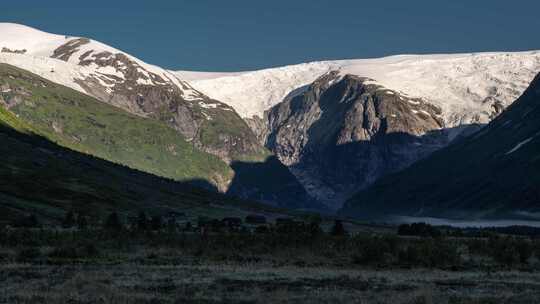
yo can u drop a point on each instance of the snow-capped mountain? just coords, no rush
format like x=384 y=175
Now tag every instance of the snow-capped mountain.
x=341 y=125
x=68 y=60
x=468 y=87
x=126 y=82
x=119 y=79
x=338 y=125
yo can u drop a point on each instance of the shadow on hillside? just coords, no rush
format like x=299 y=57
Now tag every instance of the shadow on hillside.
x=38 y=174
x=270 y=182
x=341 y=170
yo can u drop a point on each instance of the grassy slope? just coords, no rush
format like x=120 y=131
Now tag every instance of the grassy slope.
x=476 y=177
x=82 y=123
x=38 y=176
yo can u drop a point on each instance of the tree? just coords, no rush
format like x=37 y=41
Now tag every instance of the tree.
x=82 y=222
x=314 y=226
x=69 y=220
x=338 y=229
x=156 y=222
x=29 y=221
x=142 y=221
x=113 y=222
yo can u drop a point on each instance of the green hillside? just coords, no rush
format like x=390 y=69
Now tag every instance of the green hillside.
x=42 y=178
x=493 y=173
x=84 y=124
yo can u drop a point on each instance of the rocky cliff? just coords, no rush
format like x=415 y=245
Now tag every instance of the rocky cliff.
x=343 y=132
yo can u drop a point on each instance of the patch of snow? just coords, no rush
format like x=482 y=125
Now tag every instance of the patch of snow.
x=251 y=93
x=110 y=70
x=35 y=42
x=519 y=145
x=54 y=70
x=208 y=105
x=143 y=81
x=206 y=116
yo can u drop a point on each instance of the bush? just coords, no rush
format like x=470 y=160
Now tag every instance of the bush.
x=338 y=229
x=418 y=229
x=69 y=220
x=28 y=254
x=374 y=251
x=29 y=221
x=74 y=251
x=113 y=222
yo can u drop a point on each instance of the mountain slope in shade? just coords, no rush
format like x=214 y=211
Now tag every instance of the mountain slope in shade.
x=42 y=178
x=344 y=132
x=126 y=82
x=492 y=173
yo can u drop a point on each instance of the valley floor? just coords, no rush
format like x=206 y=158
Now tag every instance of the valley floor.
x=258 y=283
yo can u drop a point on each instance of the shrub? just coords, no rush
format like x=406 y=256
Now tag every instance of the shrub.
x=338 y=229
x=74 y=251
x=82 y=222
x=418 y=229
x=156 y=223
x=69 y=220
x=28 y=254
x=142 y=221
x=29 y=221
x=113 y=222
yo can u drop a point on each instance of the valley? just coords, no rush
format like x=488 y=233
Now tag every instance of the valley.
x=307 y=136
x=281 y=168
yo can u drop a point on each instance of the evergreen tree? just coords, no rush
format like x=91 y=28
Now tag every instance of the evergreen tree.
x=113 y=222
x=29 y=221
x=338 y=229
x=82 y=222
x=142 y=221
x=69 y=220
x=156 y=222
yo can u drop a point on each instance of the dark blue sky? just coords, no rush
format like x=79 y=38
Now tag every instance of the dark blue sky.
x=248 y=34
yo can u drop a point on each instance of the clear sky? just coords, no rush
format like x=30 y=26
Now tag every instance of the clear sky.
x=228 y=35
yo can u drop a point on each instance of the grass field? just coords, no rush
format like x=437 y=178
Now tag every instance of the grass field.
x=256 y=283
x=66 y=266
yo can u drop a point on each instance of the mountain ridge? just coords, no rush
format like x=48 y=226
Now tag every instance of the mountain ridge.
x=491 y=173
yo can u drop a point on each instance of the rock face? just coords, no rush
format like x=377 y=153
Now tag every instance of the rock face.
x=493 y=173
x=343 y=132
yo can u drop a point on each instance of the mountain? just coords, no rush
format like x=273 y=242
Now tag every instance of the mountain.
x=296 y=135
x=126 y=82
x=469 y=88
x=341 y=125
x=40 y=177
x=346 y=131
x=152 y=95
x=85 y=124
x=492 y=173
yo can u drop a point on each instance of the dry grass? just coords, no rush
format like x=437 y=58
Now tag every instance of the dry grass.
x=254 y=283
